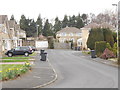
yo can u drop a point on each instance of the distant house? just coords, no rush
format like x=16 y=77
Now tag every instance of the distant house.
x=85 y=32
x=5 y=42
x=69 y=34
x=10 y=35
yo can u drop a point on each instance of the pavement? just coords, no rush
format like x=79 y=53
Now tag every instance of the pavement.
x=41 y=75
x=103 y=61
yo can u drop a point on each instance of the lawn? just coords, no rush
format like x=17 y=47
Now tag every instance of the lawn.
x=16 y=57
x=14 y=60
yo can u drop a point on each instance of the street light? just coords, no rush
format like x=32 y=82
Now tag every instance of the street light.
x=117 y=30
x=37 y=30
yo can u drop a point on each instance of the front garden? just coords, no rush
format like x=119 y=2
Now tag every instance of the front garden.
x=12 y=71
x=13 y=67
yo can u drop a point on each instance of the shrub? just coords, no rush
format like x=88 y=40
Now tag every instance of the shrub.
x=115 y=49
x=100 y=47
x=12 y=73
x=107 y=54
x=108 y=46
x=50 y=42
x=94 y=36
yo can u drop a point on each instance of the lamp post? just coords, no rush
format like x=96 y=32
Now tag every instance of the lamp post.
x=117 y=31
x=37 y=30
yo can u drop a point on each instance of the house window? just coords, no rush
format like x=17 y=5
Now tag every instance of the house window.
x=63 y=34
x=78 y=34
x=71 y=34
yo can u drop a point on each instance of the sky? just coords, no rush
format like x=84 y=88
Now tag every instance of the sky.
x=52 y=8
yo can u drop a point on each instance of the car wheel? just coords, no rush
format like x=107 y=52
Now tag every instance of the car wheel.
x=26 y=54
x=10 y=54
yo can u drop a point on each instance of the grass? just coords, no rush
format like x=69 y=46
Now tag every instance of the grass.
x=14 y=60
x=86 y=52
x=33 y=54
x=16 y=57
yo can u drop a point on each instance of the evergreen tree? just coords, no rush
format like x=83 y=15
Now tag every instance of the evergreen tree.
x=108 y=37
x=72 y=21
x=79 y=23
x=57 y=25
x=12 y=17
x=32 y=31
x=94 y=36
x=84 y=18
x=65 y=22
x=47 y=29
x=23 y=22
x=39 y=22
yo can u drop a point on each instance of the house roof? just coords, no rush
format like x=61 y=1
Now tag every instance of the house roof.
x=106 y=25
x=92 y=25
x=3 y=18
x=70 y=30
x=95 y=25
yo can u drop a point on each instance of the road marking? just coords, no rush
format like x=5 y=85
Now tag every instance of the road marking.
x=40 y=86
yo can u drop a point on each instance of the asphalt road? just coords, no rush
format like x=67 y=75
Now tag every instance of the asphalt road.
x=81 y=72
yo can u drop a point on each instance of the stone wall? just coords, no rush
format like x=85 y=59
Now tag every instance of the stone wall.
x=62 y=45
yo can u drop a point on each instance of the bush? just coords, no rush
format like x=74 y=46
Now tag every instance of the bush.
x=94 y=36
x=12 y=73
x=115 y=49
x=108 y=46
x=50 y=42
x=100 y=47
x=107 y=54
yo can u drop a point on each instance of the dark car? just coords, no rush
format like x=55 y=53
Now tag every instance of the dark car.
x=21 y=50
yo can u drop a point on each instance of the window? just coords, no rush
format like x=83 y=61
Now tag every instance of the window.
x=63 y=34
x=78 y=34
x=71 y=34
x=17 y=48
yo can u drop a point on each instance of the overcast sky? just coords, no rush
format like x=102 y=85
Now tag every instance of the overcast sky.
x=52 y=8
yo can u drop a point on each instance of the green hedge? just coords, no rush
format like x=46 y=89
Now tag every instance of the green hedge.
x=100 y=47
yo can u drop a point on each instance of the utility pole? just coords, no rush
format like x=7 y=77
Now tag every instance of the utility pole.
x=116 y=5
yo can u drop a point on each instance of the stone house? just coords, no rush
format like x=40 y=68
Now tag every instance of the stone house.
x=5 y=42
x=69 y=34
x=10 y=34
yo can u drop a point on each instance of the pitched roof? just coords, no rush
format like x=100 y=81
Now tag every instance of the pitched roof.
x=3 y=18
x=92 y=25
x=69 y=30
x=95 y=25
x=106 y=25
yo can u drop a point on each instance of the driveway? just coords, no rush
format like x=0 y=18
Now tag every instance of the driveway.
x=81 y=72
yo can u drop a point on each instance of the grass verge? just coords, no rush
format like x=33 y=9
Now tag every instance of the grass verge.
x=14 y=61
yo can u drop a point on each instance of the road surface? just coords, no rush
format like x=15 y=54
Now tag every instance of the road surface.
x=80 y=71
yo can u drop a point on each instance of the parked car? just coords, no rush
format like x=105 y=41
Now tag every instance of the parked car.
x=21 y=50
x=33 y=48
